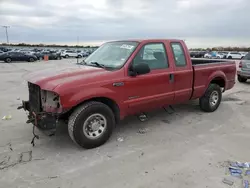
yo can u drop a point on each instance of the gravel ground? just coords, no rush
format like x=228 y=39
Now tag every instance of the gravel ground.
x=184 y=149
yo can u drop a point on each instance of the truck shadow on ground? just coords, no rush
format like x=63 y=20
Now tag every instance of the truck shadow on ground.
x=132 y=125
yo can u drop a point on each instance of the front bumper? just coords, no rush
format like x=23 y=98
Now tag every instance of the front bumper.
x=42 y=120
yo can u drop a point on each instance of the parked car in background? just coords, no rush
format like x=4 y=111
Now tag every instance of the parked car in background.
x=224 y=54
x=244 y=66
x=4 y=49
x=26 y=51
x=197 y=54
x=234 y=55
x=17 y=56
x=219 y=55
x=243 y=54
x=82 y=53
x=119 y=80
x=208 y=55
x=52 y=55
x=70 y=53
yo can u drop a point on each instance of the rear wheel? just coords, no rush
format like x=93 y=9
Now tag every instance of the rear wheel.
x=230 y=57
x=91 y=124
x=66 y=56
x=241 y=79
x=31 y=59
x=8 y=60
x=210 y=101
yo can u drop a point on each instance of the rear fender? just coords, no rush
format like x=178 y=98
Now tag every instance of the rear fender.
x=215 y=75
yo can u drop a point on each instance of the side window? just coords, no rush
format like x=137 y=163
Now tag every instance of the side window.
x=154 y=55
x=179 y=55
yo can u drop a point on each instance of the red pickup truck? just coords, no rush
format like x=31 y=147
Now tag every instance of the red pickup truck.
x=123 y=78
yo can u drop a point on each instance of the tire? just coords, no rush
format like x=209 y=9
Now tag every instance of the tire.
x=31 y=59
x=66 y=56
x=8 y=60
x=241 y=79
x=230 y=57
x=80 y=116
x=58 y=58
x=206 y=104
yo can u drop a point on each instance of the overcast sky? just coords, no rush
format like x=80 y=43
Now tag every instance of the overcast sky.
x=200 y=22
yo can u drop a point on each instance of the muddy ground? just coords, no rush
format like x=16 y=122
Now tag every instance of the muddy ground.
x=185 y=149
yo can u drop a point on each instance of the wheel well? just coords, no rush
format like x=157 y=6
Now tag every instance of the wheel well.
x=109 y=102
x=219 y=81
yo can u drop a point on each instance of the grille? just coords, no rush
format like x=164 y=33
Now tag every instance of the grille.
x=34 y=97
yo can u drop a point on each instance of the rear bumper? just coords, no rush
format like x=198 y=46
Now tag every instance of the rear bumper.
x=42 y=120
x=245 y=74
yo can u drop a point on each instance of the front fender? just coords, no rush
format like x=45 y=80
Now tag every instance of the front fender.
x=71 y=100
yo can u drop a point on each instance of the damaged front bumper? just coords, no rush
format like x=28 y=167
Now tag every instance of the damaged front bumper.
x=47 y=122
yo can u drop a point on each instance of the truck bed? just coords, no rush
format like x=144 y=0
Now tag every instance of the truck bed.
x=203 y=70
x=200 y=61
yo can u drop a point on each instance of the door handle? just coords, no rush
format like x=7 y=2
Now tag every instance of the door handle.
x=171 y=78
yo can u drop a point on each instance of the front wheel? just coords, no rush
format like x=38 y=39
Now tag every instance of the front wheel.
x=211 y=100
x=91 y=124
x=8 y=60
x=31 y=59
x=241 y=79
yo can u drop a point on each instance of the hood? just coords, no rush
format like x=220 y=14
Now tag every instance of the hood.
x=49 y=79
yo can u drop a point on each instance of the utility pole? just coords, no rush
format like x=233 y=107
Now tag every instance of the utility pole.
x=6 y=31
x=77 y=40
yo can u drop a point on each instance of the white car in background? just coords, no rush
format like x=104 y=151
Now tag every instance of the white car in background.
x=219 y=55
x=234 y=55
x=208 y=55
x=70 y=53
x=243 y=53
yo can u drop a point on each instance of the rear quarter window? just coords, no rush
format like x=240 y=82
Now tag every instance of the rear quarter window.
x=179 y=55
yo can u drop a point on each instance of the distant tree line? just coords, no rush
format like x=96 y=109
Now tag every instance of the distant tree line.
x=238 y=49
x=47 y=45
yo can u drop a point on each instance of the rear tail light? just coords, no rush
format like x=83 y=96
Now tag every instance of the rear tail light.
x=240 y=65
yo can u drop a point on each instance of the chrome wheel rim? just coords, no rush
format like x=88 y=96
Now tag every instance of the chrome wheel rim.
x=214 y=98
x=94 y=126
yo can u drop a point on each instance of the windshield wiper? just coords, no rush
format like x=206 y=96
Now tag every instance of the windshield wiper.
x=98 y=64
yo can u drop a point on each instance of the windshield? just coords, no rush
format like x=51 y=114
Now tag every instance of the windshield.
x=112 y=54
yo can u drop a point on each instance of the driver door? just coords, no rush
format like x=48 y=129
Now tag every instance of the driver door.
x=154 y=89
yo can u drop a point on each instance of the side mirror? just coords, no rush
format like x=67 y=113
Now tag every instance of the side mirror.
x=141 y=68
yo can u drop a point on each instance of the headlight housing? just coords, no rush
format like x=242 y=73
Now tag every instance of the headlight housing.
x=50 y=101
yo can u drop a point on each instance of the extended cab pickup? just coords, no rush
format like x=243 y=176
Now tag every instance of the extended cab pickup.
x=123 y=78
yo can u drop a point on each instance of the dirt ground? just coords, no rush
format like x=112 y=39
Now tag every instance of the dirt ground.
x=185 y=149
